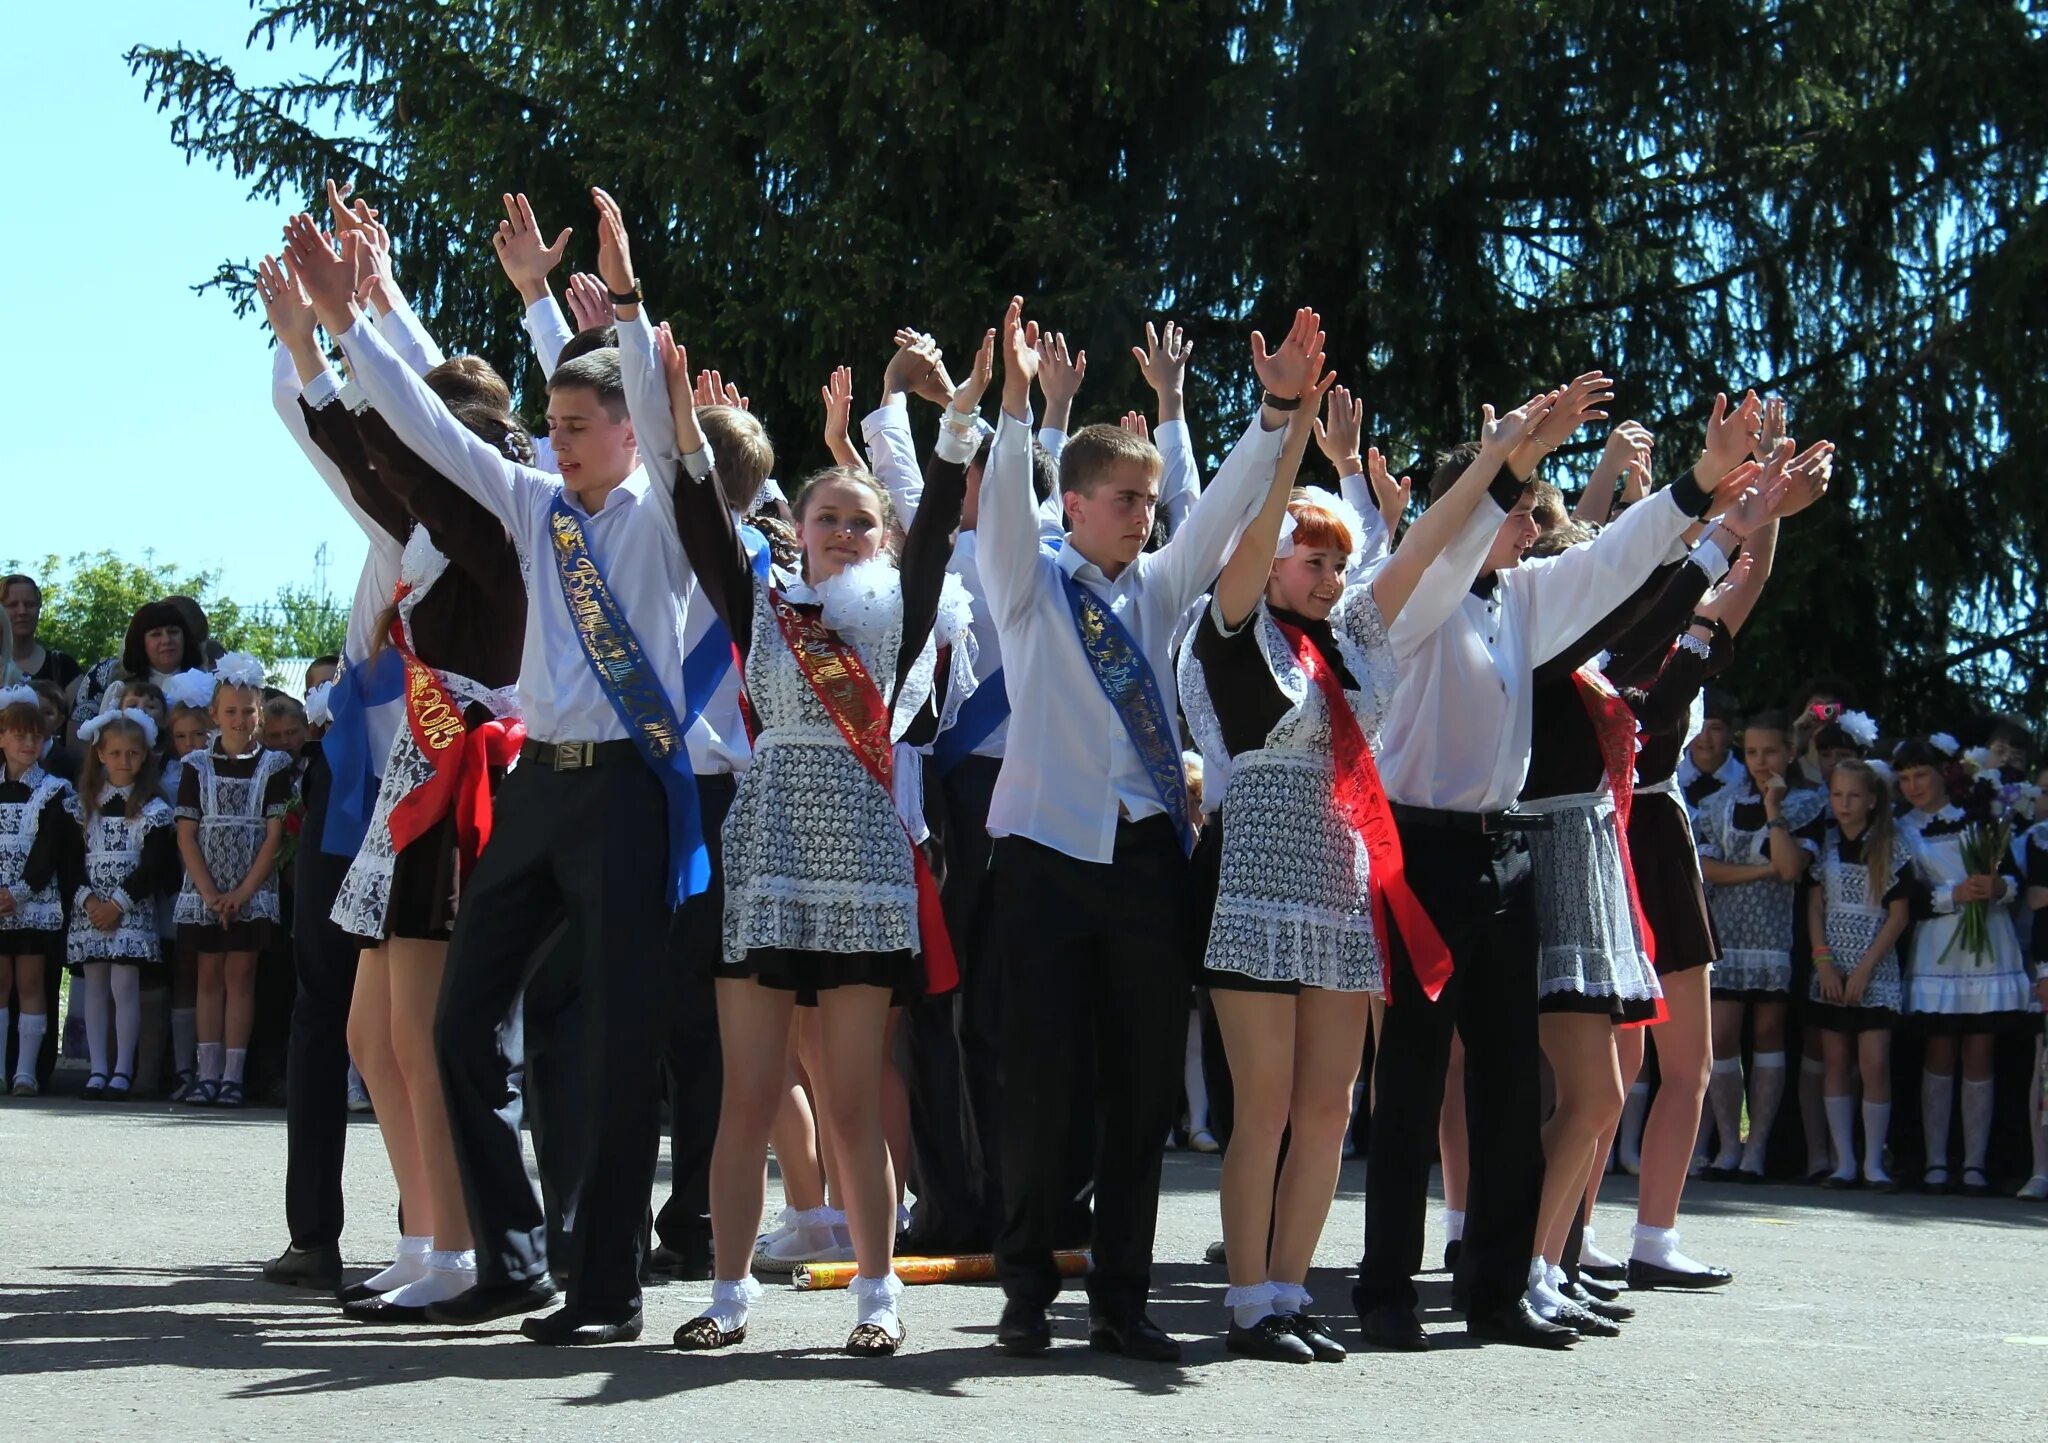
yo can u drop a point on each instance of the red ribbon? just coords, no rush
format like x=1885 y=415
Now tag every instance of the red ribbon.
x=850 y=697
x=490 y=746
x=1362 y=803
x=1614 y=725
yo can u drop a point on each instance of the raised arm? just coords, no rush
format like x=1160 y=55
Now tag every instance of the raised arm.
x=705 y=524
x=837 y=394
x=459 y=526
x=929 y=547
x=1250 y=565
x=1628 y=447
x=1059 y=376
x=1163 y=361
x=526 y=258
x=335 y=430
x=1007 y=524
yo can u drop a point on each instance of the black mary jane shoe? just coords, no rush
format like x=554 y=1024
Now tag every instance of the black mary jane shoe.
x=1024 y=1331
x=1319 y=1339
x=1835 y=1182
x=872 y=1340
x=571 y=1328
x=1642 y=1277
x=1604 y=1291
x=702 y=1335
x=379 y=1309
x=95 y=1087
x=359 y=1293
x=119 y=1086
x=1604 y=1272
x=1139 y=1338
x=1269 y=1339
x=1980 y=1188
x=1933 y=1185
x=1882 y=1185
x=487 y=1302
x=1599 y=1307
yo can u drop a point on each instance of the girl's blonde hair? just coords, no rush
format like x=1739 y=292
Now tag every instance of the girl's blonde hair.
x=94 y=776
x=1879 y=838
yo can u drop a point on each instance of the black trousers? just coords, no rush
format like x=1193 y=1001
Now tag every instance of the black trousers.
x=691 y=1052
x=591 y=845
x=545 y=1063
x=952 y=1042
x=1476 y=888
x=316 y=1063
x=1095 y=967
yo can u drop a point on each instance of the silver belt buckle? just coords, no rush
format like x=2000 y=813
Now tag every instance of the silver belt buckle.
x=574 y=756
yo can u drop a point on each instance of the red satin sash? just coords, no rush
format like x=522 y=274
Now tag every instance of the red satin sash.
x=462 y=758
x=1362 y=803
x=850 y=697
x=1614 y=725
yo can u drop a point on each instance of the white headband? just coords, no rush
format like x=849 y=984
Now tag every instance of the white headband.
x=89 y=731
x=1347 y=516
x=20 y=696
x=238 y=668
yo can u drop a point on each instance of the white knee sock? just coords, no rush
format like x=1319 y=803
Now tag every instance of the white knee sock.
x=1766 y=1092
x=1249 y=1304
x=1724 y=1093
x=448 y=1275
x=1976 y=1123
x=185 y=1040
x=126 y=985
x=1937 y=1095
x=1191 y=1079
x=31 y=1026
x=1877 y=1125
x=1842 y=1130
x=1628 y=1139
x=1659 y=1247
x=1454 y=1224
x=1812 y=1110
x=98 y=1003
x=408 y=1267
x=209 y=1061
x=730 y=1303
x=237 y=1059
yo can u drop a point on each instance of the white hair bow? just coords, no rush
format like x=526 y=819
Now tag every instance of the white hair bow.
x=89 y=731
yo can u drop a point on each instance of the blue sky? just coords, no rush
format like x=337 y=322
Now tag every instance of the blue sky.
x=154 y=427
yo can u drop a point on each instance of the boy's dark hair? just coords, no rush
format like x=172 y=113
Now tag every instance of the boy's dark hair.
x=284 y=704
x=1718 y=705
x=150 y=616
x=1092 y=452
x=596 y=370
x=1835 y=687
x=498 y=426
x=1045 y=471
x=1450 y=465
x=2012 y=731
x=149 y=690
x=743 y=455
x=1916 y=752
x=17 y=578
x=327 y=659
x=597 y=338
x=1768 y=720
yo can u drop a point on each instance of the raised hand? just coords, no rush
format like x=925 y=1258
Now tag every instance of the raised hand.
x=1731 y=435
x=966 y=397
x=1163 y=361
x=1020 y=359
x=614 y=251
x=520 y=251
x=347 y=214
x=1389 y=494
x=285 y=305
x=1715 y=605
x=1134 y=422
x=714 y=390
x=1635 y=479
x=1289 y=370
x=1728 y=493
x=1627 y=443
x=1059 y=376
x=376 y=282
x=1337 y=432
x=1500 y=435
x=329 y=279
x=675 y=369
x=837 y=394
x=1806 y=477
x=589 y=305
x=917 y=368
x=1772 y=430
x=1578 y=403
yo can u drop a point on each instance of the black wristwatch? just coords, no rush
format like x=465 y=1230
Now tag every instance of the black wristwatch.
x=631 y=298
x=1282 y=403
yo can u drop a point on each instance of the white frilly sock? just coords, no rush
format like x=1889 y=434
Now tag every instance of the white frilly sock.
x=1659 y=1248
x=1877 y=1125
x=1545 y=1299
x=1290 y=1298
x=1842 y=1130
x=1250 y=1304
x=1454 y=1224
x=449 y=1274
x=730 y=1303
x=874 y=1301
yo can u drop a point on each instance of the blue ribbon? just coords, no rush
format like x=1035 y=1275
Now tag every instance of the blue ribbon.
x=376 y=682
x=974 y=723
x=705 y=665
x=1126 y=679
x=635 y=694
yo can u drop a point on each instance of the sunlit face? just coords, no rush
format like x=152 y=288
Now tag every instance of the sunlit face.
x=1114 y=521
x=1923 y=788
x=191 y=732
x=1765 y=753
x=121 y=757
x=21 y=749
x=1850 y=796
x=320 y=672
x=1309 y=582
x=1518 y=532
x=841 y=525
x=142 y=701
x=164 y=646
x=24 y=607
x=1712 y=742
x=284 y=733
x=2004 y=753
x=591 y=447
x=235 y=712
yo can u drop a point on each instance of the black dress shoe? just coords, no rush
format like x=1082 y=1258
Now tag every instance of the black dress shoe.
x=1270 y=1339
x=489 y=1301
x=1719 y=1174
x=1605 y=1292
x=380 y=1309
x=1518 y=1323
x=1395 y=1328
x=1586 y=1324
x=1604 y=1272
x=1214 y=1253
x=1137 y=1337
x=1451 y=1251
x=1644 y=1276
x=693 y=1266
x=1326 y=1348
x=1834 y=1183
x=358 y=1293
x=1598 y=1306
x=573 y=1328
x=305 y=1268
x=1024 y=1332
x=919 y=1241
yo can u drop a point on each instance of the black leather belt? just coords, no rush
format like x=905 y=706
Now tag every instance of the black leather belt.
x=576 y=756
x=1485 y=823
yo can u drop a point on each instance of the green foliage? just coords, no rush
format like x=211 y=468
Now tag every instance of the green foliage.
x=88 y=600
x=1840 y=202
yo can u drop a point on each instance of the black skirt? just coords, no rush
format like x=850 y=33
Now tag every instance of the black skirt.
x=1667 y=868
x=423 y=886
x=1838 y=1017
x=809 y=973
x=248 y=935
x=1625 y=1011
x=30 y=942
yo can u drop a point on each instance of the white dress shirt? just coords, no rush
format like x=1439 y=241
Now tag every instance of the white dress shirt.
x=1457 y=734
x=1069 y=766
x=632 y=538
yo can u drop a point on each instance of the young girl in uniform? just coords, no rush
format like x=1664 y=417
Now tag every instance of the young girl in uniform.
x=1856 y=912
x=190 y=694
x=34 y=831
x=231 y=805
x=130 y=860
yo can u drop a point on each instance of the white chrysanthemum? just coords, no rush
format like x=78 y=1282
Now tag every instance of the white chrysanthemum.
x=862 y=602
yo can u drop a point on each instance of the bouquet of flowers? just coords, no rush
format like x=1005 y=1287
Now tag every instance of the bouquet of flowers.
x=1996 y=807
